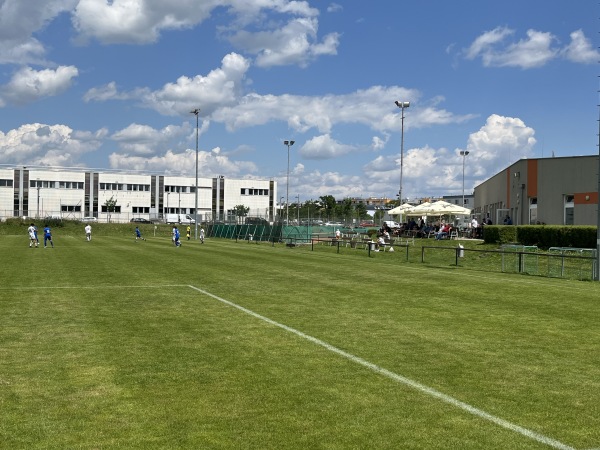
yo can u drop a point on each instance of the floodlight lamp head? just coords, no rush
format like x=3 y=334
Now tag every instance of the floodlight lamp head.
x=402 y=104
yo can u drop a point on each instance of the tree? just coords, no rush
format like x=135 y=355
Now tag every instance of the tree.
x=240 y=211
x=328 y=205
x=111 y=206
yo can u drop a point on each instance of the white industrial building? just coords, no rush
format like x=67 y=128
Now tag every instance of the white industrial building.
x=72 y=193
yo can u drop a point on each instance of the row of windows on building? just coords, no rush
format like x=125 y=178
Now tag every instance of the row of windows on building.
x=124 y=187
x=46 y=184
x=134 y=210
x=252 y=191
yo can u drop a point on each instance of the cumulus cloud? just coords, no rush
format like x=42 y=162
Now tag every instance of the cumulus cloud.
x=144 y=140
x=210 y=163
x=28 y=85
x=47 y=145
x=143 y=21
x=295 y=43
x=580 y=49
x=135 y=21
x=19 y=20
x=536 y=50
x=220 y=88
x=431 y=171
x=370 y=107
x=324 y=147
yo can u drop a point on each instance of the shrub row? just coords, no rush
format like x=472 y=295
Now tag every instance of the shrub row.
x=543 y=236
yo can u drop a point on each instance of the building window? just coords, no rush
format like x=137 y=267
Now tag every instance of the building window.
x=569 y=209
x=252 y=191
x=70 y=208
x=533 y=216
x=6 y=183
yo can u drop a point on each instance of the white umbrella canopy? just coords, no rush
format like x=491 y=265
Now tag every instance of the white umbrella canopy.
x=438 y=208
x=402 y=209
x=442 y=207
x=419 y=210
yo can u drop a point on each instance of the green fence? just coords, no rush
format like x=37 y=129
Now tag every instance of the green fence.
x=276 y=232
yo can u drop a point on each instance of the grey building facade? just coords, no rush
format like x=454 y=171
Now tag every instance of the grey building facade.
x=553 y=191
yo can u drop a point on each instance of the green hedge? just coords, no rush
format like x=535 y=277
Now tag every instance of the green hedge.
x=544 y=236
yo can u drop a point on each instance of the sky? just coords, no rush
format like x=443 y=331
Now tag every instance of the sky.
x=109 y=84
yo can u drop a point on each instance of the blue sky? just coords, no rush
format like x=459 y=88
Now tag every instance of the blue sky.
x=109 y=85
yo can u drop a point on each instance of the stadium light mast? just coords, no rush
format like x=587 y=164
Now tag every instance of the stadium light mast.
x=463 y=153
x=287 y=186
x=402 y=106
x=196 y=112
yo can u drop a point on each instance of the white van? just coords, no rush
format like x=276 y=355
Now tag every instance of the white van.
x=179 y=218
x=391 y=224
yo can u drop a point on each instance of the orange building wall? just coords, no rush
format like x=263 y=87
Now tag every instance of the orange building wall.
x=532 y=177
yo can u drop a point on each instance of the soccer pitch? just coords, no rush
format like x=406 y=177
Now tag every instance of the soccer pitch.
x=118 y=344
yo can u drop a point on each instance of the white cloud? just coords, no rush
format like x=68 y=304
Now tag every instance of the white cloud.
x=47 y=145
x=484 y=43
x=295 y=43
x=19 y=20
x=145 y=140
x=107 y=92
x=220 y=88
x=136 y=21
x=324 y=147
x=334 y=7
x=28 y=85
x=142 y=22
x=580 y=49
x=370 y=107
x=536 y=50
x=431 y=171
x=209 y=163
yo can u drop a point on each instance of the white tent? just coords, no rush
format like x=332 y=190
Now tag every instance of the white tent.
x=441 y=207
x=438 y=208
x=419 y=210
x=399 y=210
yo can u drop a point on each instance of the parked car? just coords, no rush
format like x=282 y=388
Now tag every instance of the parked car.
x=140 y=220
x=255 y=221
x=179 y=218
x=89 y=219
x=367 y=223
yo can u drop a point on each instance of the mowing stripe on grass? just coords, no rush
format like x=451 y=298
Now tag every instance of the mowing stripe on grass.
x=399 y=378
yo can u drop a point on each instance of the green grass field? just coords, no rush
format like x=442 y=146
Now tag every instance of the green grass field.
x=117 y=344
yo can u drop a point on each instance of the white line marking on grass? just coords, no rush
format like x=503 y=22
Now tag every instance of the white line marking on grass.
x=399 y=378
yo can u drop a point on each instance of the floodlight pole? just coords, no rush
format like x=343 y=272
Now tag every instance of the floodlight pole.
x=463 y=153
x=196 y=112
x=287 y=187
x=401 y=105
